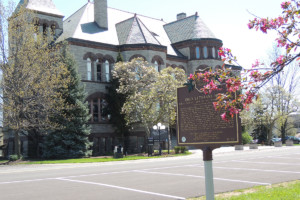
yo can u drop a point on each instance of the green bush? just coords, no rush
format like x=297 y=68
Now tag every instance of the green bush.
x=13 y=157
x=177 y=149
x=182 y=149
x=246 y=138
x=118 y=155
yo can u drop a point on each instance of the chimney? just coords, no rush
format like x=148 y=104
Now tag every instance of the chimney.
x=181 y=16
x=100 y=13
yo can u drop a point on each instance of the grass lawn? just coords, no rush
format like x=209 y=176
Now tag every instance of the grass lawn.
x=282 y=191
x=102 y=159
x=3 y=161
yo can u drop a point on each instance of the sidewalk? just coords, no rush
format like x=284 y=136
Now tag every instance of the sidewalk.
x=246 y=149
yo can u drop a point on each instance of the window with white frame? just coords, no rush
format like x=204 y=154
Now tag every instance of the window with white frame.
x=197 y=52
x=213 y=52
x=107 y=76
x=89 y=69
x=156 y=67
x=205 y=53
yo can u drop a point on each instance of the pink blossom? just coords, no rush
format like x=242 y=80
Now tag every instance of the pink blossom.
x=280 y=59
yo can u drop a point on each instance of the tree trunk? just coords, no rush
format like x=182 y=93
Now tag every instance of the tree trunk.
x=17 y=144
x=283 y=133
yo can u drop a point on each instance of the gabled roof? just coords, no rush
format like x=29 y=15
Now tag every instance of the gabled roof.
x=45 y=6
x=133 y=31
x=122 y=28
x=188 y=28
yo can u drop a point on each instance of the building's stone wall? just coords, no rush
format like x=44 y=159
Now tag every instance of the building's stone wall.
x=194 y=64
x=48 y=19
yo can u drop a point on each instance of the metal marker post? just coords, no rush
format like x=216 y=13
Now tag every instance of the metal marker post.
x=209 y=178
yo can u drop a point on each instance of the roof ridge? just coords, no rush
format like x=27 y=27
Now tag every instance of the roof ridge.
x=181 y=19
x=148 y=31
x=137 y=20
x=137 y=14
x=76 y=11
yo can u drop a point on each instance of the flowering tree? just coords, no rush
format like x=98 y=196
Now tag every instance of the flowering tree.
x=151 y=95
x=251 y=80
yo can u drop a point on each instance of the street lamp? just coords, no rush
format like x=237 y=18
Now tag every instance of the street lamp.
x=159 y=127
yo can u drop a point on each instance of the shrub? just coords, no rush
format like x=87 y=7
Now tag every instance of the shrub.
x=182 y=149
x=118 y=155
x=13 y=157
x=177 y=149
x=246 y=138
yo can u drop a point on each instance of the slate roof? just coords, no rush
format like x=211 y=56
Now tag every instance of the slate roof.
x=45 y=6
x=188 y=28
x=129 y=28
x=133 y=31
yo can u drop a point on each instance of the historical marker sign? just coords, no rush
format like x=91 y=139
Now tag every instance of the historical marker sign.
x=198 y=124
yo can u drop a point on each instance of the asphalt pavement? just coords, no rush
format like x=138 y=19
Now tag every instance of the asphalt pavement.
x=162 y=178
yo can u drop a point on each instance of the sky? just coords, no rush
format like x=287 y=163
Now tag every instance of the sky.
x=227 y=19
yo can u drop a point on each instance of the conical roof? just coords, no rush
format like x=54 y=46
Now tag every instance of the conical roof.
x=134 y=31
x=44 y=6
x=188 y=28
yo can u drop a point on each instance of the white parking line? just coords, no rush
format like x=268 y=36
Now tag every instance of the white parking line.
x=25 y=181
x=122 y=188
x=194 y=176
x=262 y=170
x=269 y=163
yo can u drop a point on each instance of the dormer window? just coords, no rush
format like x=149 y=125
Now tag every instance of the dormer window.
x=197 y=53
x=205 y=53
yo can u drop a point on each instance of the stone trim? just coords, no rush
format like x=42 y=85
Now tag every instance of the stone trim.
x=175 y=66
x=137 y=56
x=136 y=47
x=177 y=59
x=90 y=44
x=96 y=95
x=158 y=59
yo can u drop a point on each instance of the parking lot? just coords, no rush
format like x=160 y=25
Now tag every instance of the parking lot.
x=170 y=178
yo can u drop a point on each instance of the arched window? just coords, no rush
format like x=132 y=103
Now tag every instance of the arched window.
x=89 y=69
x=213 y=52
x=106 y=71
x=156 y=67
x=197 y=52
x=205 y=53
x=98 y=70
x=45 y=29
x=98 y=110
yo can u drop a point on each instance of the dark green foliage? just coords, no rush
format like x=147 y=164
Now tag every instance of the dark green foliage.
x=119 y=57
x=177 y=149
x=115 y=103
x=189 y=84
x=260 y=133
x=183 y=149
x=71 y=141
x=246 y=138
x=13 y=157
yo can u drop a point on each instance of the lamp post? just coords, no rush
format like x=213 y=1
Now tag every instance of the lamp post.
x=159 y=127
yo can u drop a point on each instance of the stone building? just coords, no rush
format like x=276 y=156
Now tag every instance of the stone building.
x=97 y=33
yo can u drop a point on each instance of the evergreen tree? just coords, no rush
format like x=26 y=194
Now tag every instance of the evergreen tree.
x=114 y=108
x=71 y=141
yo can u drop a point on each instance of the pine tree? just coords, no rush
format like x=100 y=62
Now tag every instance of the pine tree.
x=72 y=140
x=114 y=108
